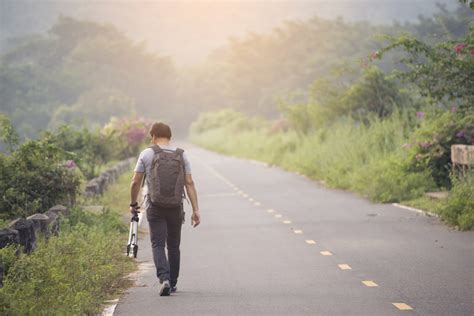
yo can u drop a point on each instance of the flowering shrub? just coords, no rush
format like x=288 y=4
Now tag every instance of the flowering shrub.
x=442 y=72
x=430 y=146
x=127 y=135
x=87 y=150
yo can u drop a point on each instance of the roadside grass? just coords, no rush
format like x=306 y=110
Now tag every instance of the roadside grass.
x=117 y=196
x=368 y=159
x=424 y=203
x=73 y=273
x=364 y=159
x=458 y=208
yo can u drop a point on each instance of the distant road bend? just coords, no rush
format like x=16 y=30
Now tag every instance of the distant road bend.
x=275 y=243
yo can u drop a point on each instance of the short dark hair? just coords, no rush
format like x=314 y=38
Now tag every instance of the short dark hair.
x=160 y=130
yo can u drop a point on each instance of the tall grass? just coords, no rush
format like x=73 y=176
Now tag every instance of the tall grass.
x=73 y=273
x=366 y=158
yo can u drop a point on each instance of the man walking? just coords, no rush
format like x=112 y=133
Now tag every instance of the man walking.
x=167 y=172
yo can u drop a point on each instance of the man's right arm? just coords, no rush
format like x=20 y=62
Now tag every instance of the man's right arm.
x=191 y=190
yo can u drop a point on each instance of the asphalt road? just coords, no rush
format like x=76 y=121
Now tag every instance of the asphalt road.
x=276 y=243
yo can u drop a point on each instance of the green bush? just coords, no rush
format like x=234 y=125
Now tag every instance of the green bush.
x=389 y=180
x=70 y=274
x=126 y=136
x=34 y=178
x=430 y=144
x=373 y=94
x=458 y=209
x=88 y=149
x=8 y=257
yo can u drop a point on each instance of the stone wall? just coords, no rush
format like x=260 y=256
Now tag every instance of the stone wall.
x=26 y=231
x=98 y=185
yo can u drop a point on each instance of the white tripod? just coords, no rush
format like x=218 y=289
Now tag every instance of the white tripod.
x=132 y=247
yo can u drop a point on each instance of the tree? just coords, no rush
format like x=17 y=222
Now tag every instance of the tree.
x=443 y=72
x=8 y=133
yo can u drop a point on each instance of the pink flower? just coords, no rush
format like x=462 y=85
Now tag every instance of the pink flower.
x=459 y=47
x=135 y=136
x=420 y=115
x=471 y=52
x=454 y=109
x=70 y=164
x=424 y=145
x=375 y=55
x=407 y=146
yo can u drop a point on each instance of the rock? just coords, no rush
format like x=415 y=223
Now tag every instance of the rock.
x=54 y=221
x=92 y=188
x=60 y=209
x=26 y=233
x=8 y=236
x=102 y=179
x=40 y=224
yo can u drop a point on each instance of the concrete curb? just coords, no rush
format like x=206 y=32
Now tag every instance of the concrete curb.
x=416 y=210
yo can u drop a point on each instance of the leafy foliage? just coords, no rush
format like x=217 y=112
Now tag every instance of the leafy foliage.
x=370 y=94
x=87 y=149
x=458 y=209
x=34 y=178
x=470 y=2
x=70 y=274
x=44 y=172
x=127 y=135
x=429 y=147
x=443 y=72
x=8 y=134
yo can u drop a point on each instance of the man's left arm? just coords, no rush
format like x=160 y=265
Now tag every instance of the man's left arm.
x=135 y=189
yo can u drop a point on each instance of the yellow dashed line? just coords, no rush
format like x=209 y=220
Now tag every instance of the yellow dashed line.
x=298 y=231
x=326 y=253
x=286 y=222
x=344 y=266
x=402 y=306
x=257 y=204
x=271 y=211
x=245 y=195
x=251 y=200
x=310 y=242
x=370 y=283
x=278 y=216
x=240 y=192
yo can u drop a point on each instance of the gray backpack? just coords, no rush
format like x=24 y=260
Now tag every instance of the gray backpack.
x=166 y=179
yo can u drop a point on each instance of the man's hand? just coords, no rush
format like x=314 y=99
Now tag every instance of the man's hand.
x=195 y=218
x=134 y=209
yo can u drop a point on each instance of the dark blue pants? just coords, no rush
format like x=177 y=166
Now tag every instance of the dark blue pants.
x=165 y=230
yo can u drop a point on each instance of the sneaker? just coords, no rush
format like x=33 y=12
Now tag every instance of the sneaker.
x=165 y=288
x=174 y=289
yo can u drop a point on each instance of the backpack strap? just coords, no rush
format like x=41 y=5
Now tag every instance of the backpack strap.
x=157 y=149
x=180 y=152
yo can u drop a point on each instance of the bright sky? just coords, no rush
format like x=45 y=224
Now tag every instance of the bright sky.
x=189 y=30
